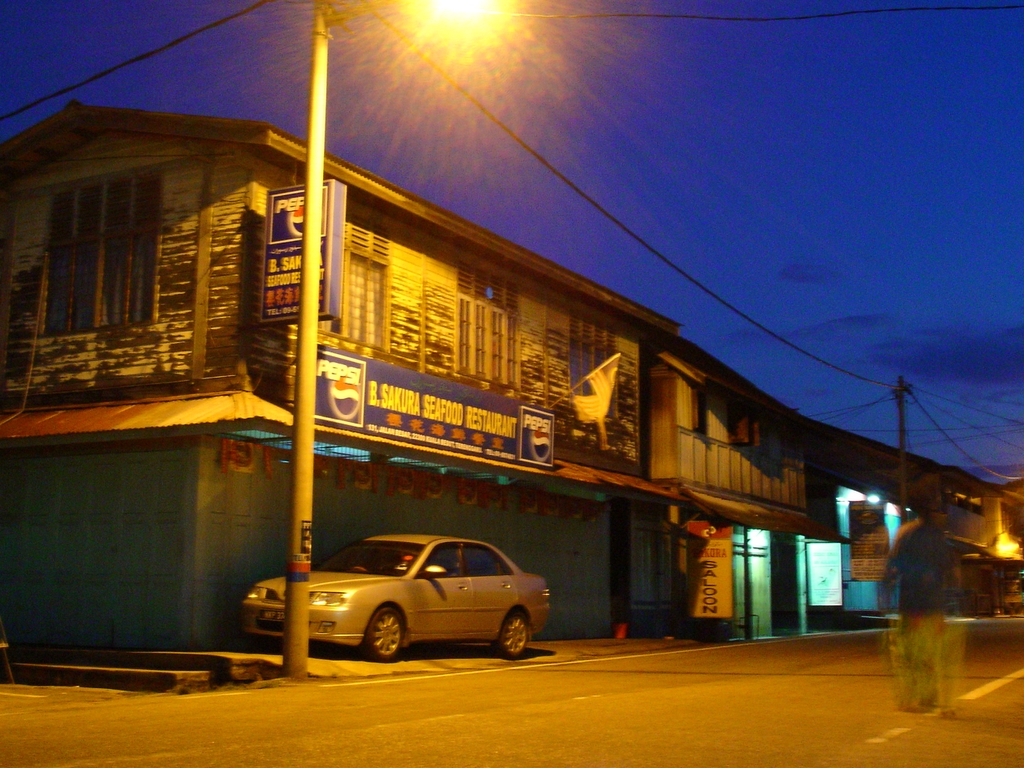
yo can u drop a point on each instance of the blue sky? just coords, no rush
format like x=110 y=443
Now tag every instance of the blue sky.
x=854 y=184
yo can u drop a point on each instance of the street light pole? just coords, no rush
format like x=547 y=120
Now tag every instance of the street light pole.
x=295 y=644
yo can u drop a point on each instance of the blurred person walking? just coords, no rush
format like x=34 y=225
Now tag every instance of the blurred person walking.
x=926 y=649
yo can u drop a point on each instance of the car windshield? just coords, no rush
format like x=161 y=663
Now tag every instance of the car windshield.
x=383 y=558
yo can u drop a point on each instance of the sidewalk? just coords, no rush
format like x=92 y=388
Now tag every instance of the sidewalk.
x=143 y=671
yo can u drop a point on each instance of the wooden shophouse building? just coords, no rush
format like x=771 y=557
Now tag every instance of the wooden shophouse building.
x=145 y=425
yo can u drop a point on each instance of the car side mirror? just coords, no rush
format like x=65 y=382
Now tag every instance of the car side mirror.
x=433 y=572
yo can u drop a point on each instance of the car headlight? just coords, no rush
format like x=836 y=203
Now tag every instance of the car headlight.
x=257 y=593
x=328 y=598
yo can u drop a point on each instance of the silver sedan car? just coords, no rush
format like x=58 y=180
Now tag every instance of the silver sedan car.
x=386 y=592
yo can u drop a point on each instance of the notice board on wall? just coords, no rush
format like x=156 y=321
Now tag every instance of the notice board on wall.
x=869 y=541
x=824 y=573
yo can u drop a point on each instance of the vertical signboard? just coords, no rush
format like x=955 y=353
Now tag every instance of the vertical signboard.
x=869 y=541
x=709 y=570
x=824 y=573
x=282 y=258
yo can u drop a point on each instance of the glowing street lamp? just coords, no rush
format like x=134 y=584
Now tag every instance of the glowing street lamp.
x=1007 y=546
x=461 y=6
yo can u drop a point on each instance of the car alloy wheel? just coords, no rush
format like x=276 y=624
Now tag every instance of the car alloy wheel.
x=383 y=638
x=513 y=637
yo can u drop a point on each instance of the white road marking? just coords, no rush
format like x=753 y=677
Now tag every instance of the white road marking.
x=435 y=719
x=213 y=695
x=981 y=690
x=890 y=734
x=547 y=664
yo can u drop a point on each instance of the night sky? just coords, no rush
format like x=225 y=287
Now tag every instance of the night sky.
x=854 y=184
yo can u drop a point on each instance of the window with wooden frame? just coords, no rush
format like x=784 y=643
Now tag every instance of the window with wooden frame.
x=744 y=426
x=589 y=346
x=367 y=262
x=102 y=253
x=698 y=411
x=488 y=329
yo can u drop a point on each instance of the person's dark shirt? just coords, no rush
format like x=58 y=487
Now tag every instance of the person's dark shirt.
x=921 y=563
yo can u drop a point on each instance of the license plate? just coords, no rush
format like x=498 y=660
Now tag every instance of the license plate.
x=266 y=613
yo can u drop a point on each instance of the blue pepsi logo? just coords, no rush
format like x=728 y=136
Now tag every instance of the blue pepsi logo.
x=537 y=439
x=345 y=400
x=344 y=393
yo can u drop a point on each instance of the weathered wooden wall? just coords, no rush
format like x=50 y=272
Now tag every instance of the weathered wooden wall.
x=115 y=357
x=229 y=198
x=772 y=469
x=206 y=334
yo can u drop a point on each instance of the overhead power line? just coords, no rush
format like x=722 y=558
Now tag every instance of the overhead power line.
x=542 y=160
x=974 y=436
x=1007 y=419
x=766 y=19
x=682 y=16
x=608 y=214
x=849 y=409
x=568 y=182
x=137 y=59
x=658 y=254
x=960 y=448
x=977 y=428
x=976 y=431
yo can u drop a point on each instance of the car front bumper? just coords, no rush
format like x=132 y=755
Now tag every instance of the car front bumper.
x=344 y=625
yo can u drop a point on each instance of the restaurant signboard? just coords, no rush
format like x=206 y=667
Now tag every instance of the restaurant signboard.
x=366 y=395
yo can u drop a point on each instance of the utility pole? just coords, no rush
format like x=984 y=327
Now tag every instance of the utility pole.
x=295 y=644
x=901 y=391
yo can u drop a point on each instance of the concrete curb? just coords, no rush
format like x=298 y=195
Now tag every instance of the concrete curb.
x=185 y=672
x=155 y=671
x=151 y=680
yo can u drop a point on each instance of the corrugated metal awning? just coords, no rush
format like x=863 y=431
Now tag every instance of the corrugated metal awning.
x=164 y=413
x=616 y=483
x=763 y=517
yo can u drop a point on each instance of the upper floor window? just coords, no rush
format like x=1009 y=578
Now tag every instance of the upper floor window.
x=488 y=328
x=366 y=287
x=698 y=411
x=102 y=254
x=744 y=426
x=589 y=346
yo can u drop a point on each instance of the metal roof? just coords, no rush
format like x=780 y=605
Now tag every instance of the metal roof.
x=763 y=517
x=151 y=414
x=615 y=483
x=232 y=409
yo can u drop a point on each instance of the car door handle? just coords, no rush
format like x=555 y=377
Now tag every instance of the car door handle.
x=506 y=585
x=464 y=587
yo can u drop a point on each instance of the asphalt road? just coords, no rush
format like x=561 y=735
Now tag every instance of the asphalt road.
x=811 y=701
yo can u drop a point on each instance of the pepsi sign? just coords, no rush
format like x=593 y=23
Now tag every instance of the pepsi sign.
x=287 y=215
x=282 y=262
x=401 y=405
x=340 y=388
x=536 y=436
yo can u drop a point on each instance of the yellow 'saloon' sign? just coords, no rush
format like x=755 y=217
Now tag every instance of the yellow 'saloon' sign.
x=709 y=570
